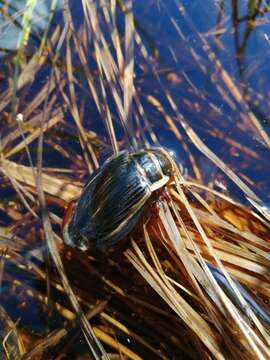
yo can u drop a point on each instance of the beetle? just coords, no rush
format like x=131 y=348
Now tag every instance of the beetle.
x=115 y=197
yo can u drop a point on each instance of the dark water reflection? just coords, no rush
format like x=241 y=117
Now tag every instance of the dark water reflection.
x=238 y=36
x=181 y=38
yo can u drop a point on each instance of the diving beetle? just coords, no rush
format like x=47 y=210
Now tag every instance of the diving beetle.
x=115 y=197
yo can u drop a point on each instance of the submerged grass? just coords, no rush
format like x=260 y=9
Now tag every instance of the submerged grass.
x=155 y=296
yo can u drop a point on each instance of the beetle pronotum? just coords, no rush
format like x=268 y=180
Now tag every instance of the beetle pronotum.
x=115 y=197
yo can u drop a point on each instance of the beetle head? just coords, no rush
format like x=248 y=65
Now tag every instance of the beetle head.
x=165 y=160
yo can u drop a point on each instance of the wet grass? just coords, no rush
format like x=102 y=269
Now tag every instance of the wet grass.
x=97 y=85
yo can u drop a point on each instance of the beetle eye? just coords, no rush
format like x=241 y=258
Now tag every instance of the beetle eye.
x=68 y=213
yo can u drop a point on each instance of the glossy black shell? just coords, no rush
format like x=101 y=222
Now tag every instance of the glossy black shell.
x=115 y=197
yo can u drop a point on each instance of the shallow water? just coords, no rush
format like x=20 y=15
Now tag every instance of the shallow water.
x=211 y=57
x=180 y=38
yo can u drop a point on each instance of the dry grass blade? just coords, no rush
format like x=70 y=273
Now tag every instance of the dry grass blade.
x=107 y=66
x=51 y=340
x=34 y=135
x=114 y=32
x=74 y=109
x=102 y=107
x=210 y=154
x=228 y=81
x=264 y=210
x=202 y=147
x=30 y=70
x=94 y=344
x=255 y=342
x=11 y=345
x=52 y=185
x=2 y=265
x=92 y=341
x=19 y=189
x=159 y=282
x=129 y=65
x=217 y=259
x=177 y=134
x=216 y=220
